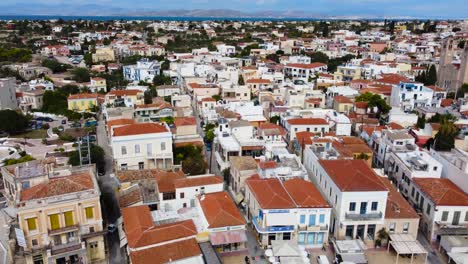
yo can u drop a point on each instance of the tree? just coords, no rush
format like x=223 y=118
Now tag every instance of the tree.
x=162 y=80
x=55 y=66
x=319 y=57
x=81 y=75
x=13 y=122
x=241 y=81
x=273 y=57
x=444 y=140
x=194 y=165
x=168 y=120
x=421 y=123
x=374 y=100
x=97 y=157
x=274 y=119
x=325 y=30
x=462 y=90
x=24 y=158
x=209 y=136
x=431 y=76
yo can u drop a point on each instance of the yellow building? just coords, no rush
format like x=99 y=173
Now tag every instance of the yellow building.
x=83 y=102
x=59 y=214
x=347 y=73
x=103 y=54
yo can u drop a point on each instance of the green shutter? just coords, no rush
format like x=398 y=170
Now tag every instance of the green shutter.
x=68 y=218
x=54 y=221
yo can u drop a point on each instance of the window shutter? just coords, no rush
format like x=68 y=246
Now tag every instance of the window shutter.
x=32 y=224
x=54 y=221
x=68 y=218
x=89 y=212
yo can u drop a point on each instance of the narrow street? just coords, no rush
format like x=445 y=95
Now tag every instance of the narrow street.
x=110 y=205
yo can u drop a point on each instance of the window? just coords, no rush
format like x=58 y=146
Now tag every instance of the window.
x=286 y=236
x=182 y=195
x=149 y=149
x=32 y=223
x=412 y=191
x=322 y=219
x=311 y=220
x=466 y=216
x=91 y=229
x=137 y=149
x=374 y=206
x=123 y=166
x=405 y=227
x=302 y=219
x=89 y=212
x=428 y=209
x=34 y=242
x=184 y=205
x=123 y=150
x=352 y=207
x=68 y=218
x=435 y=168
x=391 y=228
x=330 y=191
x=163 y=146
x=444 y=216
x=54 y=221
x=417 y=196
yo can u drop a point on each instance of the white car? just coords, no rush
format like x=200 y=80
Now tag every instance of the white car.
x=322 y=259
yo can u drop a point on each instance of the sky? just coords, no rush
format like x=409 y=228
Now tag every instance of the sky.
x=413 y=8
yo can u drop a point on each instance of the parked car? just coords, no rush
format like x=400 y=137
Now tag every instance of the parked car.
x=43 y=118
x=64 y=121
x=111 y=228
x=322 y=259
x=75 y=125
x=60 y=128
x=90 y=122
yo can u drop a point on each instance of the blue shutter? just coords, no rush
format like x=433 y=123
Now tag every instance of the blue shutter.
x=311 y=220
x=321 y=218
x=302 y=219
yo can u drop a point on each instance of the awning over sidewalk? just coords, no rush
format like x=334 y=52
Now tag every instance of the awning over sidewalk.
x=228 y=237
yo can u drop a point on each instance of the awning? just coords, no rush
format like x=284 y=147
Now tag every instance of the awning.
x=239 y=198
x=358 y=258
x=228 y=237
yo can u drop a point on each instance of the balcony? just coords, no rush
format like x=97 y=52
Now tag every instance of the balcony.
x=62 y=230
x=363 y=217
x=68 y=247
x=312 y=228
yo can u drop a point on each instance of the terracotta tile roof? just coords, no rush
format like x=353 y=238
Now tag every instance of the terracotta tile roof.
x=361 y=105
x=185 y=121
x=138 y=175
x=304 y=137
x=83 y=96
x=442 y=191
x=159 y=105
x=192 y=181
x=392 y=79
x=141 y=231
x=305 y=194
x=436 y=88
x=130 y=198
x=342 y=99
x=307 y=121
x=139 y=129
x=243 y=163
x=306 y=66
x=352 y=175
x=270 y=129
x=265 y=165
x=167 y=253
x=120 y=122
x=167 y=180
x=397 y=206
x=59 y=186
x=124 y=92
x=446 y=102
x=204 y=85
x=263 y=81
x=270 y=193
x=220 y=211
x=208 y=99
x=395 y=126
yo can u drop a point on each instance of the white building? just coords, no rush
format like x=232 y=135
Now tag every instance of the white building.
x=409 y=96
x=443 y=206
x=406 y=166
x=454 y=166
x=355 y=192
x=289 y=210
x=315 y=125
x=140 y=146
x=145 y=70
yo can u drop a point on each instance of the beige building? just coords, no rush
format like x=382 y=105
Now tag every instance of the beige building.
x=453 y=72
x=31 y=100
x=242 y=167
x=347 y=73
x=103 y=54
x=67 y=226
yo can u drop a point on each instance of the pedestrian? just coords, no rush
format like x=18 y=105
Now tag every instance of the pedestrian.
x=247 y=261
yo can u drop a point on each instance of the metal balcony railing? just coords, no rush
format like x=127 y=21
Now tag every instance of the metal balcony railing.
x=361 y=217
